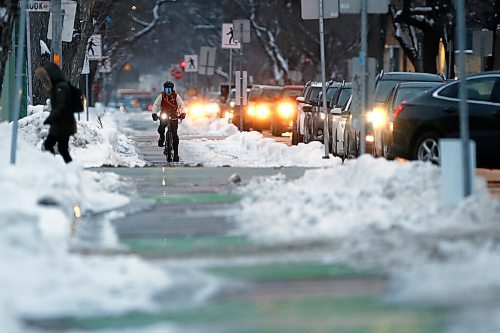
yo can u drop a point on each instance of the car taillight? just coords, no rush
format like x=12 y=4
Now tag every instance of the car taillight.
x=398 y=110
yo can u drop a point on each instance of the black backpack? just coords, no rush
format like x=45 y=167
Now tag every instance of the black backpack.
x=75 y=99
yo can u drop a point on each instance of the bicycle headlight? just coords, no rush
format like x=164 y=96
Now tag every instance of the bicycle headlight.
x=163 y=116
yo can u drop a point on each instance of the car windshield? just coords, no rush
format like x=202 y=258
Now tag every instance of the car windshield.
x=264 y=93
x=330 y=93
x=314 y=94
x=344 y=97
x=291 y=93
x=383 y=89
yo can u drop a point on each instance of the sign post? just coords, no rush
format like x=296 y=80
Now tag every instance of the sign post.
x=319 y=10
x=241 y=34
x=241 y=97
x=228 y=42
x=363 y=7
x=86 y=72
x=19 y=72
x=462 y=93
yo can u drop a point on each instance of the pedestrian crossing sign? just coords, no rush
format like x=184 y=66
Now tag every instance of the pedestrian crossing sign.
x=228 y=41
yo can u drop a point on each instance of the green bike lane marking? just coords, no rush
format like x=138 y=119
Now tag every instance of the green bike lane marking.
x=307 y=314
x=195 y=198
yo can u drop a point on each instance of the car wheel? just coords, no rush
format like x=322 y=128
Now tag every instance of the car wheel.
x=427 y=148
x=276 y=130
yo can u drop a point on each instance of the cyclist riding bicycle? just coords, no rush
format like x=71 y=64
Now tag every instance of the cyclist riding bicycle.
x=171 y=104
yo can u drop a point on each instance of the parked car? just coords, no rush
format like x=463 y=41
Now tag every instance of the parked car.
x=258 y=112
x=314 y=129
x=285 y=110
x=305 y=101
x=400 y=95
x=377 y=118
x=337 y=119
x=421 y=123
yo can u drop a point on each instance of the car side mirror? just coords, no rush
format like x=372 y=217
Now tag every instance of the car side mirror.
x=300 y=99
x=307 y=108
x=336 y=111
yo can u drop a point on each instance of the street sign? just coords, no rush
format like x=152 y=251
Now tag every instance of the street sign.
x=105 y=65
x=241 y=85
x=176 y=73
x=69 y=12
x=242 y=30
x=207 y=60
x=310 y=9
x=228 y=41
x=191 y=61
x=94 y=47
x=38 y=6
x=354 y=6
x=482 y=43
x=86 y=66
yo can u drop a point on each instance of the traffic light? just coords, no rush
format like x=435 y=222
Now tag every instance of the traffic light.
x=182 y=63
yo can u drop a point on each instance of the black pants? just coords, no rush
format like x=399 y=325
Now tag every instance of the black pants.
x=172 y=127
x=62 y=146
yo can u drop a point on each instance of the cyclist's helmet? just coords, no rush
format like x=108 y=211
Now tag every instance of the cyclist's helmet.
x=168 y=84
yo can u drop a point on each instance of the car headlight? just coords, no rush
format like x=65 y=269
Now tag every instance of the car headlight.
x=370 y=138
x=196 y=111
x=263 y=111
x=232 y=104
x=213 y=108
x=322 y=115
x=285 y=110
x=251 y=110
x=229 y=114
x=377 y=117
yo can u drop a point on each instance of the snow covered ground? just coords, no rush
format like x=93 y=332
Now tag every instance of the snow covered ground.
x=100 y=141
x=377 y=213
x=40 y=278
x=388 y=215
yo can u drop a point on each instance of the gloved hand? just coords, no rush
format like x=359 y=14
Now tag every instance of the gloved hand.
x=183 y=116
x=155 y=116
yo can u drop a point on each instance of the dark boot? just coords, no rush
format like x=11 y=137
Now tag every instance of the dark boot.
x=176 y=158
x=161 y=140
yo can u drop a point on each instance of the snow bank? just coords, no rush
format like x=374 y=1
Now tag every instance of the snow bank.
x=97 y=142
x=251 y=149
x=38 y=275
x=207 y=127
x=387 y=215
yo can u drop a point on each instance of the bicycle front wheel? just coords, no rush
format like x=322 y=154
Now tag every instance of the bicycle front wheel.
x=169 y=146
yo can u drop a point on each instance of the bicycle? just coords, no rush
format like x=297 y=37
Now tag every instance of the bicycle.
x=168 y=151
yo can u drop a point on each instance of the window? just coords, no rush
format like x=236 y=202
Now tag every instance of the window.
x=478 y=89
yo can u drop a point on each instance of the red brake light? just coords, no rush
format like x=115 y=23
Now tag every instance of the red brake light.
x=398 y=110
x=150 y=107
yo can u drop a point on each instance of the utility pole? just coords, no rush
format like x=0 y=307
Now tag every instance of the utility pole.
x=364 y=74
x=19 y=73
x=56 y=45
x=326 y=133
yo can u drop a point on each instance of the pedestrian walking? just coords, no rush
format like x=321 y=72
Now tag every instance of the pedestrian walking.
x=61 y=119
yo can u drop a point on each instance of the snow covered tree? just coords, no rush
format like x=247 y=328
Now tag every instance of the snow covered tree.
x=8 y=12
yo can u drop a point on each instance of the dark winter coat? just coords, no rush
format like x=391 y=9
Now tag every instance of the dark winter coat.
x=61 y=119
